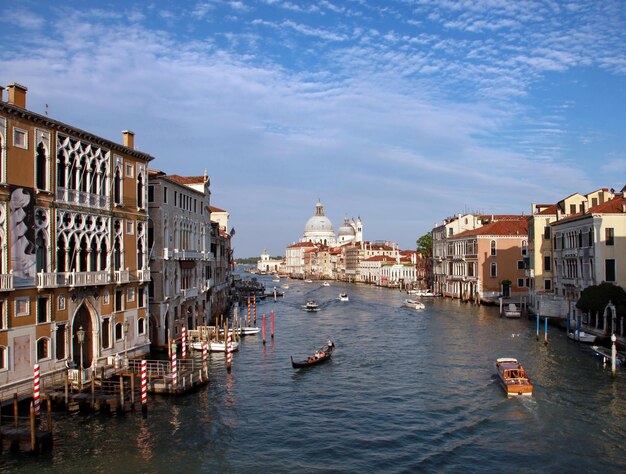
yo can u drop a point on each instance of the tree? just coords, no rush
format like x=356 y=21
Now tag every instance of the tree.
x=425 y=245
x=593 y=300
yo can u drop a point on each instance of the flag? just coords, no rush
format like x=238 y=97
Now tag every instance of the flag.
x=232 y=232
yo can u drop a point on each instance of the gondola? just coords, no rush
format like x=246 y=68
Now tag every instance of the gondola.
x=321 y=355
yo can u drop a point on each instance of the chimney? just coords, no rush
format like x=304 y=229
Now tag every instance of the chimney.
x=1 y=94
x=17 y=95
x=129 y=139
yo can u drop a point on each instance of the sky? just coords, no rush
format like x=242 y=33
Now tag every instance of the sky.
x=401 y=112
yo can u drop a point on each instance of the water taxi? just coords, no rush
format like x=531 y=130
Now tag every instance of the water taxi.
x=414 y=304
x=311 y=306
x=513 y=378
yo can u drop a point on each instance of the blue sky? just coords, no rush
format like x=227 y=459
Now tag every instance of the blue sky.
x=403 y=112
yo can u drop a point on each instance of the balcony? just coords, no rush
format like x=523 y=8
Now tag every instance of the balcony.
x=49 y=280
x=73 y=196
x=143 y=275
x=186 y=254
x=122 y=276
x=73 y=279
x=6 y=281
x=190 y=292
x=167 y=254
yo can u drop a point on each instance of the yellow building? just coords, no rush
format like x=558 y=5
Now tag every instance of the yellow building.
x=73 y=240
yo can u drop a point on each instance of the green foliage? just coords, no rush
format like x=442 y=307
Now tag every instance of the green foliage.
x=506 y=282
x=595 y=298
x=425 y=245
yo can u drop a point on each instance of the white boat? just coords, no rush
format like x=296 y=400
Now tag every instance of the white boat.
x=343 y=297
x=311 y=306
x=582 y=336
x=421 y=293
x=512 y=311
x=244 y=331
x=285 y=286
x=308 y=281
x=215 y=346
x=414 y=304
x=325 y=284
x=275 y=280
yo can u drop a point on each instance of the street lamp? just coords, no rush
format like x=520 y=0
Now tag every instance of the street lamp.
x=80 y=335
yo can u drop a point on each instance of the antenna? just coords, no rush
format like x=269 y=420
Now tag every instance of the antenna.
x=46 y=110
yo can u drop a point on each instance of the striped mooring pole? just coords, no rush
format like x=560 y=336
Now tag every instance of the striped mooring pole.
x=144 y=386
x=272 y=324
x=174 y=368
x=254 y=304
x=249 y=320
x=36 y=399
x=184 y=342
x=205 y=353
x=229 y=352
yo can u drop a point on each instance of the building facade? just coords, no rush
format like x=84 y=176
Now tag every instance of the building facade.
x=74 y=259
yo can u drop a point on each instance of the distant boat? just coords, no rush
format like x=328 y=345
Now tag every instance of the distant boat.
x=215 y=346
x=582 y=336
x=285 y=286
x=513 y=378
x=414 y=304
x=421 y=293
x=343 y=297
x=620 y=358
x=308 y=281
x=311 y=306
x=325 y=284
x=321 y=355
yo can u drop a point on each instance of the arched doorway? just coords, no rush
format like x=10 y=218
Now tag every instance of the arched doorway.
x=82 y=319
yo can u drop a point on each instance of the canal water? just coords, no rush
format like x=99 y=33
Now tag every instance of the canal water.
x=405 y=391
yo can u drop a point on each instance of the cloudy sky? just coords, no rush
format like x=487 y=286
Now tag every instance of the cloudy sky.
x=402 y=112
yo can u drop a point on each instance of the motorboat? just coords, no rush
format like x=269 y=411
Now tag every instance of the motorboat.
x=311 y=306
x=321 y=355
x=582 y=336
x=276 y=279
x=422 y=293
x=414 y=304
x=513 y=378
x=215 y=346
x=285 y=286
x=343 y=297
x=308 y=281
x=325 y=284
x=512 y=311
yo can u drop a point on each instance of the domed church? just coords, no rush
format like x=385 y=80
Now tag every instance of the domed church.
x=319 y=229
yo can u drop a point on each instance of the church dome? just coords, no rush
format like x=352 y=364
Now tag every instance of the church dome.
x=346 y=230
x=318 y=224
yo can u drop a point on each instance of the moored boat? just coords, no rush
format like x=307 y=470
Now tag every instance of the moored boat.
x=215 y=346
x=582 y=336
x=512 y=311
x=414 y=304
x=311 y=305
x=513 y=378
x=321 y=355
x=605 y=354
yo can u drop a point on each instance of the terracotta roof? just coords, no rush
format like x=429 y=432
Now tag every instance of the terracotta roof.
x=216 y=209
x=506 y=227
x=302 y=244
x=380 y=258
x=617 y=205
x=187 y=179
x=549 y=210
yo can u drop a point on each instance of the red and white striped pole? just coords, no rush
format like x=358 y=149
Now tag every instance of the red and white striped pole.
x=205 y=353
x=254 y=303
x=36 y=399
x=272 y=323
x=229 y=352
x=184 y=348
x=174 y=368
x=249 y=321
x=263 y=326
x=144 y=385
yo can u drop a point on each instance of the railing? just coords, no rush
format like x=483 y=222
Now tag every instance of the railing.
x=187 y=254
x=143 y=275
x=190 y=292
x=122 y=276
x=73 y=279
x=167 y=254
x=48 y=280
x=6 y=281
x=73 y=196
